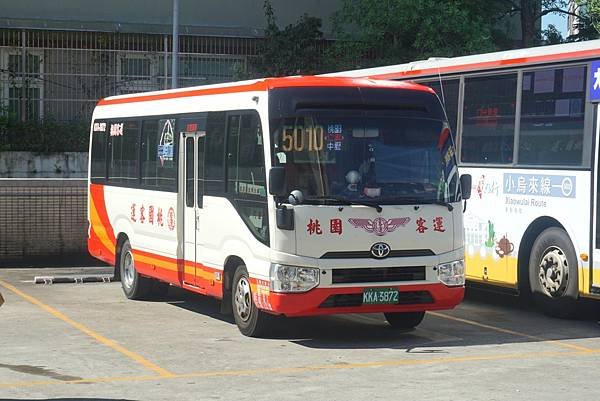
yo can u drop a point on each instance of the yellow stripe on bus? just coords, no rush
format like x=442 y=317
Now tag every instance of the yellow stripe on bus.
x=99 y=228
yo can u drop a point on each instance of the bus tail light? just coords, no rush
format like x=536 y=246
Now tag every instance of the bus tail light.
x=285 y=278
x=452 y=274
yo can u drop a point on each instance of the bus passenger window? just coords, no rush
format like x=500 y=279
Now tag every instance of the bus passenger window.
x=149 y=158
x=489 y=119
x=159 y=154
x=123 y=152
x=99 y=141
x=246 y=177
x=214 y=154
x=552 y=116
x=246 y=162
x=448 y=94
x=189 y=172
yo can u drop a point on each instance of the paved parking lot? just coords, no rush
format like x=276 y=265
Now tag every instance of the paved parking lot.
x=86 y=341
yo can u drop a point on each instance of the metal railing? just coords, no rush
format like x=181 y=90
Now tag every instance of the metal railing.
x=62 y=74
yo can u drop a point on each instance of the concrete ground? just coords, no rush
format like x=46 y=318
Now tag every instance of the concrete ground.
x=87 y=341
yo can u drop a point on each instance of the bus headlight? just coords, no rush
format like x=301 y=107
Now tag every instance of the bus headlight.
x=285 y=278
x=452 y=273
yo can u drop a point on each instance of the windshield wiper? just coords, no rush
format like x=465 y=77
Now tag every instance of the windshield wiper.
x=346 y=201
x=417 y=201
x=444 y=203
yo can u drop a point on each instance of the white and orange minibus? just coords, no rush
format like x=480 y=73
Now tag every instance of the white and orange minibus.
x=287 y=196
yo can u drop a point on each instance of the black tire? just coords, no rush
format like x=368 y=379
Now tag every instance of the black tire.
x=404 y=320
x=135 y=286
x=251 y=321
x=553 y=278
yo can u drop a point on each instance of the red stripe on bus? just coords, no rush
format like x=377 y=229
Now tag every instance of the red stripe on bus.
x=491 y=64
x=270 y=83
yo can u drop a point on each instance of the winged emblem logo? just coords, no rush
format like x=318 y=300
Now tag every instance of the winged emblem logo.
x=380 y=226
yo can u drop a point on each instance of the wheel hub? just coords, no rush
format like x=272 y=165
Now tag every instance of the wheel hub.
x=129 y=270
x=243 y=299
x=554 y=272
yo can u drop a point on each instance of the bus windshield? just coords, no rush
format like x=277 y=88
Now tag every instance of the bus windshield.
x=366 y=155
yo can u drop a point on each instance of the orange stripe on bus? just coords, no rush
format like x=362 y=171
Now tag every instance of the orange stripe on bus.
x=99 y=206
x=491 y=64
x=103 y=233
x=171 y=264
x=269 y=83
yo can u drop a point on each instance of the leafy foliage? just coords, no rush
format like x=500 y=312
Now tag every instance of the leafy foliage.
x=377 y=32
x=589 y=24
x=43 y=136
x=531 y=12
x=552 y=36
x=295 y=49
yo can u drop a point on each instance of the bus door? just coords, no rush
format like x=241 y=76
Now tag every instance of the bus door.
x=193 y=197
x=595 y=268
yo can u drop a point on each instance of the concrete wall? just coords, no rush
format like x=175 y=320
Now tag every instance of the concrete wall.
x=36 y=165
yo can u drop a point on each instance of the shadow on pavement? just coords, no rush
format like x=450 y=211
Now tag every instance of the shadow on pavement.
x=368 y=331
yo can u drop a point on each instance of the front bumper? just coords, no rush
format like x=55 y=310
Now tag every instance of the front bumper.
x=338 y=300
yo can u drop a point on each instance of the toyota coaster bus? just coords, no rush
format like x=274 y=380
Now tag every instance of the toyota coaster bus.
x=290 y=196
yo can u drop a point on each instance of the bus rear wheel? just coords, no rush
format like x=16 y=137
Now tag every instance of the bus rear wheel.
x=553 y=273
x=404 y=320
x=251 y=321
x=135 y=286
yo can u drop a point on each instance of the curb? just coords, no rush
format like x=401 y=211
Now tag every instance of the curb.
x=101 y=278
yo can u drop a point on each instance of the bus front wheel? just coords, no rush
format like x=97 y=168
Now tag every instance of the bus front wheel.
x=251 y=321
x=553 y=273
x=404 y=320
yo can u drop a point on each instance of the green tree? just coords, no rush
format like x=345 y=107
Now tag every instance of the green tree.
x=295 y=49
x=588 y=23
x=594 y=12
x=552 y=36
x=377 y=32
x=530 y=13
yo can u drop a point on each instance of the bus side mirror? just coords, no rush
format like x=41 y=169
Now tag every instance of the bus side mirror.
x=277 y=181
x=465 y=186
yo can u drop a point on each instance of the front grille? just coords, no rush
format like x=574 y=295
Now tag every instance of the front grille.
x=378 y=274
x=398 y=253
x=354 y=300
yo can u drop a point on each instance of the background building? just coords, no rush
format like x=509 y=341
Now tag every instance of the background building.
x=57 y=60
x=572 y=20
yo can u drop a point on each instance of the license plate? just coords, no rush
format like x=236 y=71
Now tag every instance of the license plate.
x=372 y=296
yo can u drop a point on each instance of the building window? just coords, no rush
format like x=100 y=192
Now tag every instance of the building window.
x=195 y=70
x=22 y=83
x=137 y=72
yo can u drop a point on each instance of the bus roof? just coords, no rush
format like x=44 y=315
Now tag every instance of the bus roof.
x=260 y=85
x=480 y=62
